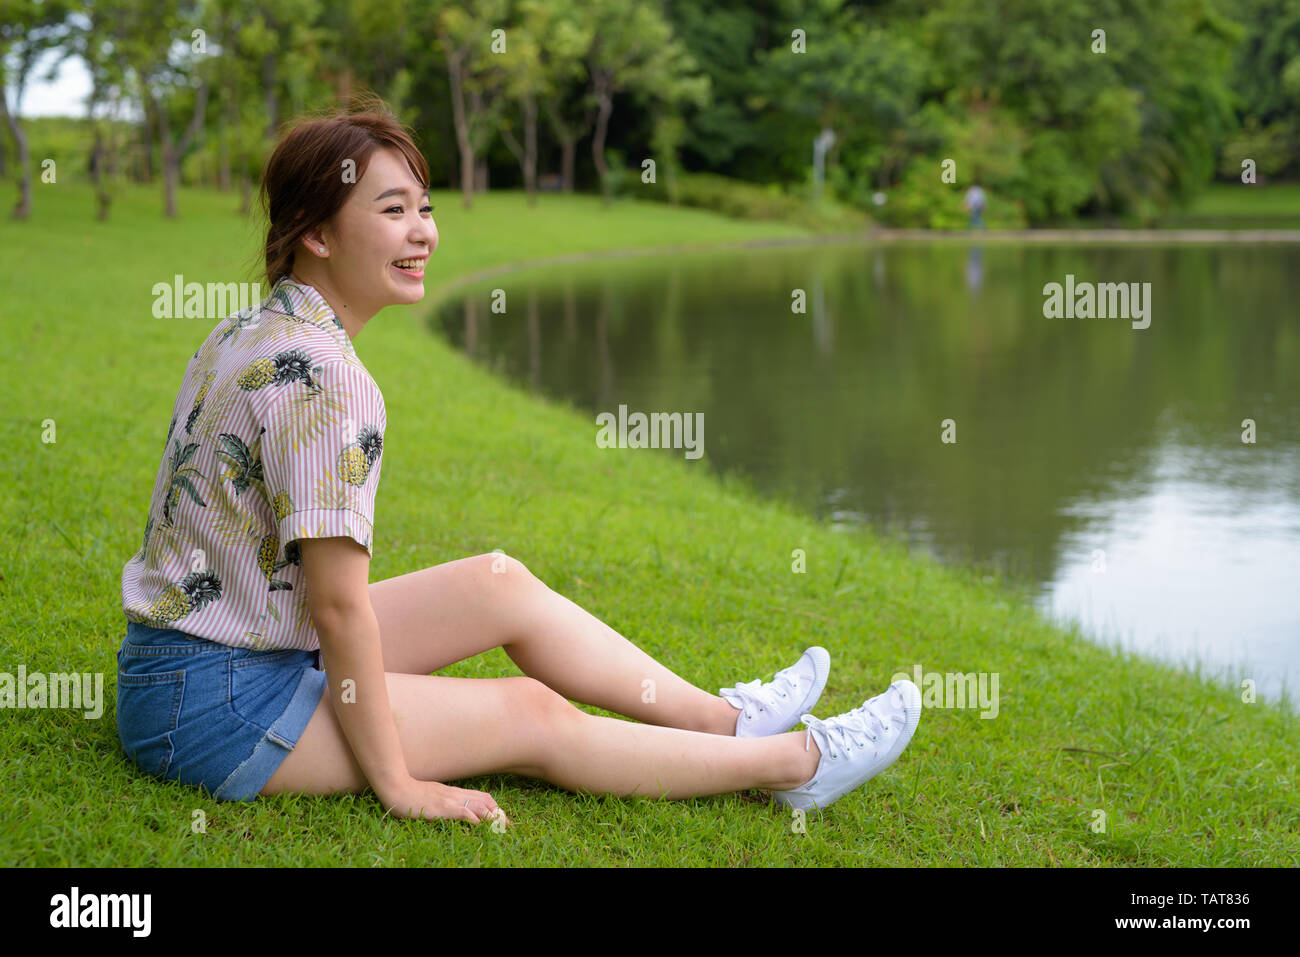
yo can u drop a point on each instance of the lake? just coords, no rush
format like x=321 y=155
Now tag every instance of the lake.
x=1142 y=481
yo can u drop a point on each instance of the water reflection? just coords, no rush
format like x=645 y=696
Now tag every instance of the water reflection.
x=1073 y=436
x=975 y=269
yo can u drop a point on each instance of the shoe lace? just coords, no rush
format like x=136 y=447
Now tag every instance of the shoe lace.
x=853 y=728
x=755 y=694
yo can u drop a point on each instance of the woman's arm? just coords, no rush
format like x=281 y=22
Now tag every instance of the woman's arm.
x=337 y=571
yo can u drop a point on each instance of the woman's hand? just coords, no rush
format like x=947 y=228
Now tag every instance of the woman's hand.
x=430 y=800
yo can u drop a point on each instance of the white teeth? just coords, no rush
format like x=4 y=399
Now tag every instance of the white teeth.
x=408 y=263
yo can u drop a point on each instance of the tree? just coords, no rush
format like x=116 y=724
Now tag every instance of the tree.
x=842 y=74
x=151 y=39
x=27 y=30
x=261 y=57
x=477 y=79
x=565 y=38
x=1266 y=80
x=1124 y=120
x=94 y=40
x=525 y=79
x=635 y=49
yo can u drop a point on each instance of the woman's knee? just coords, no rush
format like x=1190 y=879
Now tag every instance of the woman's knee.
x=539 y=702
x=540 y=717
x=512 y=591
x=504 y=569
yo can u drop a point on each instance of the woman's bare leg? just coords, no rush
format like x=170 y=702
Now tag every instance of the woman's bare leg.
x=455 y=728
x=439 y=615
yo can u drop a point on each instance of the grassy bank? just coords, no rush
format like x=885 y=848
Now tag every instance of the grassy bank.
x=1240 y=206
x=695 y=570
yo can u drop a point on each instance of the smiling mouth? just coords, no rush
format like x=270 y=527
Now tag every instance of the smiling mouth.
x=410 y=267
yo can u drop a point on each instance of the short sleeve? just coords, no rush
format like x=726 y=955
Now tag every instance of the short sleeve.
x=322 y=447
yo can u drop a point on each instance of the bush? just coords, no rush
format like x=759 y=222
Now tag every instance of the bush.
x=619 y=178
x=742 y=200
x=922 y=201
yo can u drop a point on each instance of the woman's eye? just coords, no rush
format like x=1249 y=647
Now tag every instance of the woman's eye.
x=427 y=209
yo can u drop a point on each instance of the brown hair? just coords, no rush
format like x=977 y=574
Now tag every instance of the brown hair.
x=302 y=184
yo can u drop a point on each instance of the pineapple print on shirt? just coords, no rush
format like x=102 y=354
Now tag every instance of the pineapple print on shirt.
x=357 y=458
x=284 y=367
x=180 y=598
x=198 y=401
x=276 y=436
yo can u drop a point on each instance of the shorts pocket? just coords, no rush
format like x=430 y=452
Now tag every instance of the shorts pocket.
x=262 y=683
x=148 y=713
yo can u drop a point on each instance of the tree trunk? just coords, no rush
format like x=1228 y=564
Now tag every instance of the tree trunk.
x=466 y=175
x=225 y=130
x=195 y=126
x=455 y=61
x=168 y=161
x=568 y=143
x=527 y=153
x=148 y=151
x=476 y=110
x=272 y=99
x=530 y=149
x=97 y=174
x=112 y=146
x=172 y=153
x=568 y=154
x=23 y=208
x=344 y=89
x=598 y=142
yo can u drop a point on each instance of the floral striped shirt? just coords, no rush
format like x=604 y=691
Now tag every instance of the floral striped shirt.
x=276 y=436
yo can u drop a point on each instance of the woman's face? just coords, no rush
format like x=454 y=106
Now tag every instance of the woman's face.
x=386 y=218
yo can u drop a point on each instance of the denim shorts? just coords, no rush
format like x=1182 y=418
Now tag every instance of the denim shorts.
x=212 y=715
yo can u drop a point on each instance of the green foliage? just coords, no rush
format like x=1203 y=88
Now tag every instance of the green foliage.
x=922 y=201
x=620 y=179
x=65 y=140
x=741 y=200
x=1019 y=91
x=1273 y=148
x=1022 y=95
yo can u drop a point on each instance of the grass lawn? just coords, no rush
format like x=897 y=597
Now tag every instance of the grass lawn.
x=1240 y=206
x=694 y=569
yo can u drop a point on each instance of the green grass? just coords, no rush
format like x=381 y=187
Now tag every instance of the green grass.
x=695 y=570
x=1240 y=206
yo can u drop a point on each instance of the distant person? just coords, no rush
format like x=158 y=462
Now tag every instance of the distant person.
x=975 y=202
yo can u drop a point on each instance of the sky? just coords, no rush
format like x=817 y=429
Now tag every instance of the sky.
x=66 y=96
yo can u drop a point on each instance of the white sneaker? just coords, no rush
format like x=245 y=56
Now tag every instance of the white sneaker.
x=776 y=706
x=857 y=745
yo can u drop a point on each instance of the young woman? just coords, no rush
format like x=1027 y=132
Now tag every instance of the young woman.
x=258 y=657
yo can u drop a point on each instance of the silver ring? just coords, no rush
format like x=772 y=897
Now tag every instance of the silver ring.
x=467 y=802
